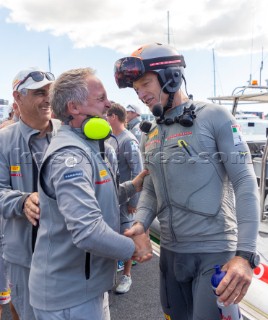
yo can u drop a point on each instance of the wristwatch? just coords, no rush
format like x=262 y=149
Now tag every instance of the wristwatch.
x=252 y=257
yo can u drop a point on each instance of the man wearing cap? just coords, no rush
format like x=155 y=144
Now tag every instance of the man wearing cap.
x=5 y=297
x=22 y=146
x=134 y=120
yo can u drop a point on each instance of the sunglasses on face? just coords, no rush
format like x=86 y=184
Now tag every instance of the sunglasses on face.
x=38 y=76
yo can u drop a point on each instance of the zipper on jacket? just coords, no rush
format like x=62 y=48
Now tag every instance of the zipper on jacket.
x=35 y=171
x=87 y=266
x=163 y=135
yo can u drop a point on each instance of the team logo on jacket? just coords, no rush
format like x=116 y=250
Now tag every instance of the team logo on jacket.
x=103 y=173
x=71 y=162
x=134 y=146
x=237 y=134
x=15 y=171
x=73 y=174
x=153 y=133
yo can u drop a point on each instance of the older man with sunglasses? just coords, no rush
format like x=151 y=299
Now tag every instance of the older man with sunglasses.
x=22 y=146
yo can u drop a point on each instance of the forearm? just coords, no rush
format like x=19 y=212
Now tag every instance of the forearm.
x=248 y=214
x=11 y=203
x=126 y=191
x=111 y=245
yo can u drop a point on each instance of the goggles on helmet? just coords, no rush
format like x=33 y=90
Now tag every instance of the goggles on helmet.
x=129 y=69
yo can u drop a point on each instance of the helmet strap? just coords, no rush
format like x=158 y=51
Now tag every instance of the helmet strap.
x=167 y=106
x=169 y=102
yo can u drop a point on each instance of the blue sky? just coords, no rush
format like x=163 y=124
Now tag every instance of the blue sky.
x=82 y=33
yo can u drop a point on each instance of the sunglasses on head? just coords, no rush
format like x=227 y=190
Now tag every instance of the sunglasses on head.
x=38 y=76
x=127 y=70
x=130 y=69
x=131 y=109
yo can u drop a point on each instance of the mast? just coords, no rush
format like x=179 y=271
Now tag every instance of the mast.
x=214 y=72
x=261 y=67
x=49 y=61
x=168 y=27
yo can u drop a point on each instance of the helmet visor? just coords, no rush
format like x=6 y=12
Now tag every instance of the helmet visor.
x=127 y=70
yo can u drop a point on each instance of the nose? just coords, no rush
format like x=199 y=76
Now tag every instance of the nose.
x=108 y=104
x=141 y=95
x=46 y=98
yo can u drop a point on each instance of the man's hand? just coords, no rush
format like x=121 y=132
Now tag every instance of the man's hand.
x=135 y=230
x=138 y=180
x=131 y=210
x=235 y=283
x=143 y=248
x=31 y=208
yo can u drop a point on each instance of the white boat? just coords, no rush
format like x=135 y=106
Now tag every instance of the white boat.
x=4 y=111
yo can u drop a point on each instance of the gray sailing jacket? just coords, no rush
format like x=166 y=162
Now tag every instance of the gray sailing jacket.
x=134 y=127
x=79 y=214
x=16 y=183
x=193 y=172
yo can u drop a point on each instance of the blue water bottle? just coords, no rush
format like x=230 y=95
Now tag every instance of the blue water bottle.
x=231 y=312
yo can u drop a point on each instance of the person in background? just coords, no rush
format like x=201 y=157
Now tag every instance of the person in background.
x=22 y=146
x=13 y=116
x=4 y=283
x=130 y=165
x=133 y=120
x=201 y=187
x=79 y=232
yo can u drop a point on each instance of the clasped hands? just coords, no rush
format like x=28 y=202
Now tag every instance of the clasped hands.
x=143 y=248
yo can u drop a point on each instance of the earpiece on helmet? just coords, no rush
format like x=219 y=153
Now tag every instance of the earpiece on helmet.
x=173 y=74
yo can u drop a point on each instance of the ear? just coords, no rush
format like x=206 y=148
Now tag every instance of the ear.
x=17 y=97
x=72 y=108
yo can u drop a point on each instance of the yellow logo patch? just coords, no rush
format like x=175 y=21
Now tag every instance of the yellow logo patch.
x=14 y=168
x=153 y=134
x=167 y=317
x=103 y=173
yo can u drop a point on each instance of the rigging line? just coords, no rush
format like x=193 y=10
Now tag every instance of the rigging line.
x=251 y=54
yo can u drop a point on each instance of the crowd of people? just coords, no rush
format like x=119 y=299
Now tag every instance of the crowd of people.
x=82 y=180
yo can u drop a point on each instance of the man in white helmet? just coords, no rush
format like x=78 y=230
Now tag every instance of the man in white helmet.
x=134 y=120
x=199 y=166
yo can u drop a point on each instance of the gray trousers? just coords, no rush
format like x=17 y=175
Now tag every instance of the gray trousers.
x=19 y=277
x=97 y=308
x=185 y=288
x=4 y=283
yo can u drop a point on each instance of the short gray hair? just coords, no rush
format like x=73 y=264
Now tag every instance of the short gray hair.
x=70 y=86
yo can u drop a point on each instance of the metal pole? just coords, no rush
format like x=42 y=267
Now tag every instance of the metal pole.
x=261 y=67
x=168 y=27
x=214 y=72
x=49 y=62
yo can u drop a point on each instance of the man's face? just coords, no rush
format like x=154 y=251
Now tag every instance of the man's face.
x=149 y=91
x=131 y=115
x=113 y=120
x=97 y=103
x=34 y=107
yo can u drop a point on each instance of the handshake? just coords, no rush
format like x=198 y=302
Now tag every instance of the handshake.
x=143 y=248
